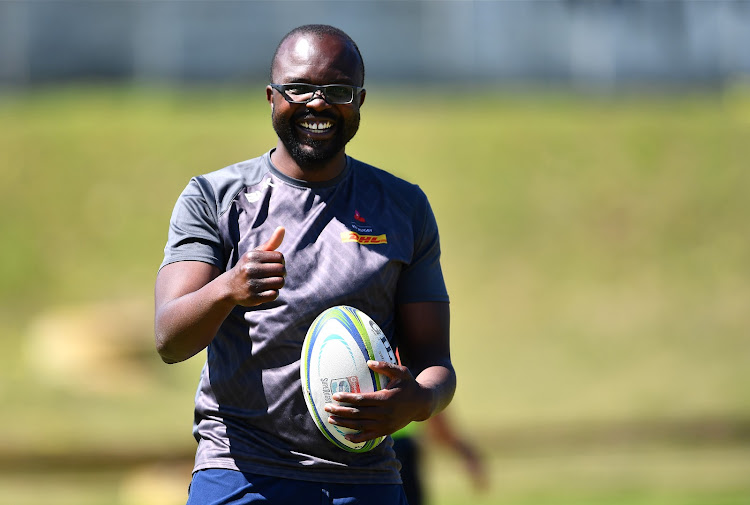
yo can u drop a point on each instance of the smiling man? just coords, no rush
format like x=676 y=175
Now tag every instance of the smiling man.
x=312 y=138
x=257 y=250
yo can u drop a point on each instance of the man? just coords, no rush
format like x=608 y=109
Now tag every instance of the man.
x=258 y=249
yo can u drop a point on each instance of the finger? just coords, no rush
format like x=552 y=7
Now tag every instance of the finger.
x=256 y=258
x=259 y=267
x=274 y=242
x=266 y=284
x=391 y=370
x=353 y=424
x=342 y=410
x=265 y=296
x=358 y=400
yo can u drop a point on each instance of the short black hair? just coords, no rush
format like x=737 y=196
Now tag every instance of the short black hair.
x=320 y=31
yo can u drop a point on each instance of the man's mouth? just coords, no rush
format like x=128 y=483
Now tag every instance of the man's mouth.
x=316 y=126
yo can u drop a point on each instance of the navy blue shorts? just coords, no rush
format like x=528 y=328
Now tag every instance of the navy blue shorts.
x=225 y=487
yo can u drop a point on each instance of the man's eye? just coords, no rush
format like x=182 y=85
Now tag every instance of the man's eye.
x=299 y=90
x=339 y=92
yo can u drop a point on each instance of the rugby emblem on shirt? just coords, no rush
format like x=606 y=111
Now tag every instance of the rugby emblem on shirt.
x=352 y=236
x=361 y=232
x=334 y=359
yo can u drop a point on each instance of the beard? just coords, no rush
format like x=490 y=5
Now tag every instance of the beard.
x=310 y=152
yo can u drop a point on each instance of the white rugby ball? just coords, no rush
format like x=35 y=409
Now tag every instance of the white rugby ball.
x=334 y=358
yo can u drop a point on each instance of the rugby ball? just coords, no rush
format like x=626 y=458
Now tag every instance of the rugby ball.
x=334 y=358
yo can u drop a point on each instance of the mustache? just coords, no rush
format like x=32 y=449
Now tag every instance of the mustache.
x=310 y=115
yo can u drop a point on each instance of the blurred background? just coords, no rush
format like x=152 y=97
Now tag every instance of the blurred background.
x=587 y=163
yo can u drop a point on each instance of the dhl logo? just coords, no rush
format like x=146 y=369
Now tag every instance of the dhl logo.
x=350 y=236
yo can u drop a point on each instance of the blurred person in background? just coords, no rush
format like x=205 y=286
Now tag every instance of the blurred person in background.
x=257 y=250
x=409 y=443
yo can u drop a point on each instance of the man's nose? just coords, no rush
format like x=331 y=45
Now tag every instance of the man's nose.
x=318 y=101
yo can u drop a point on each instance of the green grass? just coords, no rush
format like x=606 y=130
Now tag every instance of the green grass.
x=645 y=476
x=595 y=251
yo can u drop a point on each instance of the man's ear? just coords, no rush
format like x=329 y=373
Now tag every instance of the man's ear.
x=362 y=97
x=269 y=96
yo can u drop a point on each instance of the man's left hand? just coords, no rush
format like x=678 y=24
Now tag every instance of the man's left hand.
x=382 y=412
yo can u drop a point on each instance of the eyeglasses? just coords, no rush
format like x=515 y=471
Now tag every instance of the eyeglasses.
x=335 y=94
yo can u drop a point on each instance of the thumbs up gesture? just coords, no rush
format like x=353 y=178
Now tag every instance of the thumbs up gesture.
x=259 y=274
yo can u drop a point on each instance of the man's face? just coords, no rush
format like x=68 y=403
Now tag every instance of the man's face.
x=315 y=132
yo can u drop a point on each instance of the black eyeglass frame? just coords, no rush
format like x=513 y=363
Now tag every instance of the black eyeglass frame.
x=356 y=90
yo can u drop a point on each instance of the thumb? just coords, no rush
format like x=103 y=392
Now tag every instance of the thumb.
x=274 y=242
x=392 y=372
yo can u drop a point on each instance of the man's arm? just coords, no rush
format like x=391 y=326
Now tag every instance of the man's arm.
x=424 y=332
x=413 y=394
x=192 y=298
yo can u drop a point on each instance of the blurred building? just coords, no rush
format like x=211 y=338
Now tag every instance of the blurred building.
x=574 y=42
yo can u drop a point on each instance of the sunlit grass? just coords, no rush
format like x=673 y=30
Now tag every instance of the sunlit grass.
x=594 y=250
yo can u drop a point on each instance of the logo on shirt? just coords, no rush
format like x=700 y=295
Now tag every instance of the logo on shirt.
x=352 y=236
x=253 y=197
x=362 y=232
x=256 y=195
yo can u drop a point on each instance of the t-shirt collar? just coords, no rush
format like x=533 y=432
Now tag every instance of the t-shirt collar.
x=306 y=184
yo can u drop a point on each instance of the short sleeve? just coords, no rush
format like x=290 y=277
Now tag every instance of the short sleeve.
x=422 y=279
x=193 y=228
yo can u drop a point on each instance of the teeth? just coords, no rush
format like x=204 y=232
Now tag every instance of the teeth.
x=316 y=126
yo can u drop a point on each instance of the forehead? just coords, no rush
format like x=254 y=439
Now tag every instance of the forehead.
x=317 y=59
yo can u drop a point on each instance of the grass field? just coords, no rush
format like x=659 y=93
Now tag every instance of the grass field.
x=595 y=250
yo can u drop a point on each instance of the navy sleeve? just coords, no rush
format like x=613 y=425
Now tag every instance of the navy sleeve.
x=193 y=228
x=422 y=279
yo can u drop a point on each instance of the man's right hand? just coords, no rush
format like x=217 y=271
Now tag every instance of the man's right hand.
x=259 y=274
x=193 y=298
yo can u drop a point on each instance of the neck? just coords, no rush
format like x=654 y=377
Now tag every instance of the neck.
x=310 y=172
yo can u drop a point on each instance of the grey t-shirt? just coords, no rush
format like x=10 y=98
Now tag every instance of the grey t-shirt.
x=366 y=239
